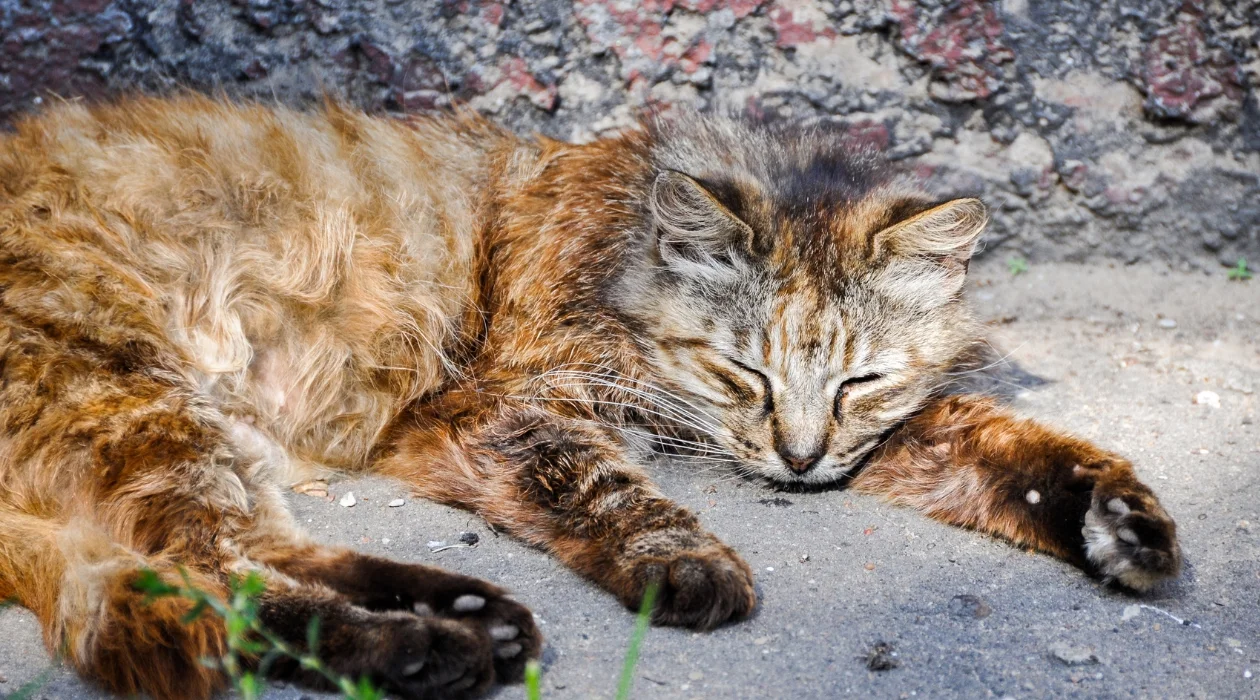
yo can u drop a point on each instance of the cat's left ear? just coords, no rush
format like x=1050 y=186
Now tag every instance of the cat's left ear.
x=926 y=256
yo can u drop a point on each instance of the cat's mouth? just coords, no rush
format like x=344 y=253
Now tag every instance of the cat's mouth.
x=831 y=470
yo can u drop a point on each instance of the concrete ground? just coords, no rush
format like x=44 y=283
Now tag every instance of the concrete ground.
x=838 y=573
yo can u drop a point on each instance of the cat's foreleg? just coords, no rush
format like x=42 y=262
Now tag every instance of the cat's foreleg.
x=564 y=485
x=964 y=461
x=382 y=585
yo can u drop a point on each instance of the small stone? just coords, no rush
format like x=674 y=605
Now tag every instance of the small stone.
x=869 y=566
x=1232 y=643
x=969 y=606
x=396 y=503
x=1073 y=655
x=1130 y=612
x=347 y=501
x=1208 y=398
x=1247 y=673
x=1167 y=323
x=882 y=657
x=805 y=557
x=469 y=538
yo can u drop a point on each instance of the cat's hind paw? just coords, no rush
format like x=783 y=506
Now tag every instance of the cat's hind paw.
x=1129 y=537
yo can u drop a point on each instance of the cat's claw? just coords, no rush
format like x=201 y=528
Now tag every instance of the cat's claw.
x=1129 y=537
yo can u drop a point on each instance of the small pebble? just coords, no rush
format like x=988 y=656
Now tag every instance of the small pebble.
x=1073 y=655
x=396 y=503
x=1208 y=398
x=882 y=657
x=1167 y=323
x=469 y=538
x=1247 y=673
x=347 y=501
x=969 y=606
x=1130 y=612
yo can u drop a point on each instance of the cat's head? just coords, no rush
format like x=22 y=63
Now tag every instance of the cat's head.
x=799 y=301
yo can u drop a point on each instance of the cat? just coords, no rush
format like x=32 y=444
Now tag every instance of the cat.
x=202 y=303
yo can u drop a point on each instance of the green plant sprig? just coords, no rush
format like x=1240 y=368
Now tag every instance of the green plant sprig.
x=1239 y=272
x=247 y=638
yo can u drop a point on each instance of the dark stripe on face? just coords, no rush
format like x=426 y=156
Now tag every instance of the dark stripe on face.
x=733 y=383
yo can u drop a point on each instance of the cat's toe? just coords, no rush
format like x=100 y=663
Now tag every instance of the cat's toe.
x=434 y=657
x=1129 y=537
x=701 y=588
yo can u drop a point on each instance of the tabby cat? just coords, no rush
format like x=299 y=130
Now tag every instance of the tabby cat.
x=202 y=303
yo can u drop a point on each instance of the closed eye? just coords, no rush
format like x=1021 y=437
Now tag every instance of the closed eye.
x=767 y=393
x=848 y=385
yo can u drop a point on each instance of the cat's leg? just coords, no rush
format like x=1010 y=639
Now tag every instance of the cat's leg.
x=380 y=584
x=566 y=486
x=109 y=472
x=966 y=462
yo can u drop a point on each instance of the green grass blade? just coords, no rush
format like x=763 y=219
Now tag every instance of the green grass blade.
x=636 y=640
x=533 y=681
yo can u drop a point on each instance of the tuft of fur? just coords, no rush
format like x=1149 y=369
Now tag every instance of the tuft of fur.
x=202 y=302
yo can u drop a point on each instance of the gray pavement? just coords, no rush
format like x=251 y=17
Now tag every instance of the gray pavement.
x=838 y=573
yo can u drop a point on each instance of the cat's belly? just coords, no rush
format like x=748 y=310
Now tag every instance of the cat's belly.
x=308 y=410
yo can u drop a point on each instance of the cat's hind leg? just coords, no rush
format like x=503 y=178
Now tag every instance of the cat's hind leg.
x=79 y=585
x=966 y=462
x=108 y=471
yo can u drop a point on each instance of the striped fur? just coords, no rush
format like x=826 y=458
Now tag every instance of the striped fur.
x=201 y=303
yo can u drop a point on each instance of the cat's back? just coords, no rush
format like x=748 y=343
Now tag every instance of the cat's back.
x=305 y=267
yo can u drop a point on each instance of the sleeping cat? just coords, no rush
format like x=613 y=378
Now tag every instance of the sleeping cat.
x=202 y=303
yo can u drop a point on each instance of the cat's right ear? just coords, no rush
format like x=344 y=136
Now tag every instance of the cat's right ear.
x=696 y=234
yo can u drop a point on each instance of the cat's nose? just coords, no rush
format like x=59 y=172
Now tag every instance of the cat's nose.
x=797 y=463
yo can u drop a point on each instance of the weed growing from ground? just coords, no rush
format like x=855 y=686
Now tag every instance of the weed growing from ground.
x=1239 y=272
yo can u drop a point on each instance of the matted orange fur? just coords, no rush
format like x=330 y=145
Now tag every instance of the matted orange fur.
x=201 y=303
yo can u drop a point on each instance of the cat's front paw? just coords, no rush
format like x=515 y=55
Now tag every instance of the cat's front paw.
x=1129 y=537
x=432 y=657
x=699 y=588
x=514 y=637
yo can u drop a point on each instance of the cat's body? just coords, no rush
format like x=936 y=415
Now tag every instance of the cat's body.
x=203 y=303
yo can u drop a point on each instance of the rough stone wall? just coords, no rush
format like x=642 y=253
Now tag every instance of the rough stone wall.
x=1122 y=128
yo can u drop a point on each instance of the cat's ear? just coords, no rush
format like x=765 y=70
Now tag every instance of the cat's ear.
x=926 y=256
x=695 y=232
